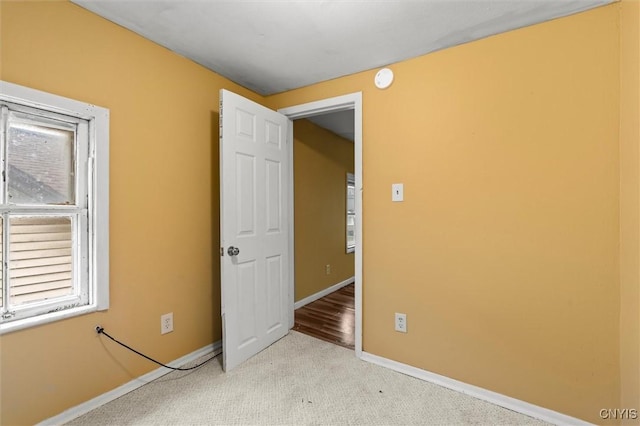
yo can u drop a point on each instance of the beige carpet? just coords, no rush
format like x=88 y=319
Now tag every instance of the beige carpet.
x=299 y=380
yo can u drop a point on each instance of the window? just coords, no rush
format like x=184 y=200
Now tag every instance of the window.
x=351 y=213
x=54 y=219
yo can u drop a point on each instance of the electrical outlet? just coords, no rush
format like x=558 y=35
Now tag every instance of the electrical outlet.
x=327 y=269
x=166 y=323
x=401 y=322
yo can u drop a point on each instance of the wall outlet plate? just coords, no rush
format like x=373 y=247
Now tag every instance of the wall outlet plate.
x=397 y=192
x=166 y=323
x=401 y=322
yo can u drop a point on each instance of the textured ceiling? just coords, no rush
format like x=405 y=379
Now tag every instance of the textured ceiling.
x=341 y=123
x=271 y=46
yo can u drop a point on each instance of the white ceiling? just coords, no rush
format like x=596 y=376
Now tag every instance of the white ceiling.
x=341 y=123
x=271 y=46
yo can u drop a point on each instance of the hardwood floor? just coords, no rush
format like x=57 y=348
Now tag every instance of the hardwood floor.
x=331 y=318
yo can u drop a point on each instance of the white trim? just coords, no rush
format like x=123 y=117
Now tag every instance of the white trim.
x=339 y=103
x=323 y=106
x=92 y=404
x=291 y=230
x=513 y=404
x=323 y=293
x=48 y=101
x=100 y=163
x=46 y=318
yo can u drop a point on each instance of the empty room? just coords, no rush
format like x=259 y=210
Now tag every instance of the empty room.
x=156 y=192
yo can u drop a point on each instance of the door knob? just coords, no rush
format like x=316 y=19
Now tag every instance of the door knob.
x=233 y=251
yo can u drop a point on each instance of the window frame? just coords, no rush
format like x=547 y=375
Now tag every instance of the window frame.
x=97 y=191
x=351 y=183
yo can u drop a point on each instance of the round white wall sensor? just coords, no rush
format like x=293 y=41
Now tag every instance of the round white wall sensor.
x=384 y=78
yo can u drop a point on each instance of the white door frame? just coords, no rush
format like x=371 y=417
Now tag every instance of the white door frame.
x=352 y=101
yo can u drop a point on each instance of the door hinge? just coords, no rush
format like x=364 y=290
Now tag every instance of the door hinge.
x=221 y=251
x=8 y=315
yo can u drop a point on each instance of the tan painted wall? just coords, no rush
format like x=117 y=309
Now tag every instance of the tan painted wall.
x=508 y=148
x=164 y=205
x=321 y=162
x=630 y=205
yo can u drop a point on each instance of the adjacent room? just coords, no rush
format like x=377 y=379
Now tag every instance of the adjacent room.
x=324 y=209
x=490 y=250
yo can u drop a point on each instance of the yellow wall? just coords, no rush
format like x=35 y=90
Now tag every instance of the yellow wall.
x=630 y=204
x=164 y=205
x=321 y=162
x=508 y=148
x=509 y=151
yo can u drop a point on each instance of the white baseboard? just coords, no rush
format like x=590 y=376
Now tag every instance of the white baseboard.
x=323 y=293
x=512 y=404
x=85 y=407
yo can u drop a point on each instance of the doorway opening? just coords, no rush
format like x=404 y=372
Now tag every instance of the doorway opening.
x=324 y=207
x=347 y=105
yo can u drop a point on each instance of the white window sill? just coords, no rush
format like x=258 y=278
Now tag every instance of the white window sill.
x=45 y=319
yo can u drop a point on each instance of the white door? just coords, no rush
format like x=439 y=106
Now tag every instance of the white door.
x=253 y=227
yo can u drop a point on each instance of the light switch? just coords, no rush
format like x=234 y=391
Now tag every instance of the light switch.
x=397 y=192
